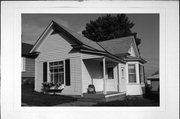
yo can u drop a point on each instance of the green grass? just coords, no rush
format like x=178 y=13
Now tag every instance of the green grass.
x=32 y=98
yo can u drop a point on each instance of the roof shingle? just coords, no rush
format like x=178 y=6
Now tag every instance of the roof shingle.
x=117 y=46
x=26 y=48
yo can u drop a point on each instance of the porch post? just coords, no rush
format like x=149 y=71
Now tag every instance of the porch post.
x=104 y=75
x=118 y=79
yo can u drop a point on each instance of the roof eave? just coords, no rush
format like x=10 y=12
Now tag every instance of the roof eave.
x=103 y=53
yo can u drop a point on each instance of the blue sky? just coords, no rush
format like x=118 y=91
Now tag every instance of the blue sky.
x=146 y=26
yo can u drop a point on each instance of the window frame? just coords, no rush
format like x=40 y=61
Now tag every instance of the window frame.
x=58 y=73
x=134 y=73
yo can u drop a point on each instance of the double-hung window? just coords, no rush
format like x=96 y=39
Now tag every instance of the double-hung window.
x=57 y=72
x=132 y=73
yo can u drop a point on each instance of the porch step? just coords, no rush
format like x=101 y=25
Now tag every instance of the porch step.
x=102 y=97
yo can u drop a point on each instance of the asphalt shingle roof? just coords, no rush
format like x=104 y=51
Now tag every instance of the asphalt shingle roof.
x=117 y=46
x=82 y=39
x=26 y=48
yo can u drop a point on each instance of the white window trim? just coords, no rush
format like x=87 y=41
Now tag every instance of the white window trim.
x=141 y=73
x=49 y=76
x=132 y=63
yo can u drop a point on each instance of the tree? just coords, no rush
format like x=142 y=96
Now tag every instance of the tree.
x=109 y=27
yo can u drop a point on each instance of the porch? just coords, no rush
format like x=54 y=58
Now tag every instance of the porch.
x=106 y=74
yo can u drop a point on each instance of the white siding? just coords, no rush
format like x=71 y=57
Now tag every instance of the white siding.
x=132 y=51
x=111 y=84
x=135 y=89
x=56 y=48
x=122 y=80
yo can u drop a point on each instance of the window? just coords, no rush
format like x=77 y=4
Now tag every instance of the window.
x=122 y=73
x=141 y=73
x=132 y=73
x=110 y=73
x=23 y=64
x=56 y=72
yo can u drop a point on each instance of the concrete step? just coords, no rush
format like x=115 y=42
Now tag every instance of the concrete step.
x=102 y=97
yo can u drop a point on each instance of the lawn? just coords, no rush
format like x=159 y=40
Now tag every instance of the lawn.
x=133 y=101
x=32 y=98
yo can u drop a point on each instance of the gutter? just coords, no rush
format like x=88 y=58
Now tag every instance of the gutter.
x=103 y=53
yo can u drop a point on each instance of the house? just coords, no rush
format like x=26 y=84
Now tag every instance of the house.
x=67 y=57
x=154 y=82
x=27 y=63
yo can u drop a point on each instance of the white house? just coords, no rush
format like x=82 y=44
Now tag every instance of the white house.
x=69 y=58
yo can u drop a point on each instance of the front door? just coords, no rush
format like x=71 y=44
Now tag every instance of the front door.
x=111 y=82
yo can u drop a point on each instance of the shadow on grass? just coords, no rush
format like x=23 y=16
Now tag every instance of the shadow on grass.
x=131 y=101
x=32 y=98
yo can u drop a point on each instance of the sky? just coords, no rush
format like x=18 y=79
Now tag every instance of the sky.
x=146 y=26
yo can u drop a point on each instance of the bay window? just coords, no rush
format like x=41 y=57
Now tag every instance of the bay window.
x=141 y=73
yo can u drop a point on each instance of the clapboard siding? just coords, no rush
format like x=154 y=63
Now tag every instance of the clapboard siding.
x=122 y=79
x=75 y=71
x=29 y=68
x=56 y=48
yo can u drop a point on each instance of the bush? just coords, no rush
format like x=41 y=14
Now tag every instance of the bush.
x=28 y=81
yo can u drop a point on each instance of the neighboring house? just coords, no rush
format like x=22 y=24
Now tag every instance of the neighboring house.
x=28 y=63
x=69 y=58
x=154 y=82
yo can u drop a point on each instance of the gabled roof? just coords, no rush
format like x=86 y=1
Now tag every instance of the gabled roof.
x=77 y=37
x=82 y=39
x=117 y=46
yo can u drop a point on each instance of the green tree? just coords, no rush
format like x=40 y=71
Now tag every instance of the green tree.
x=110 y=27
